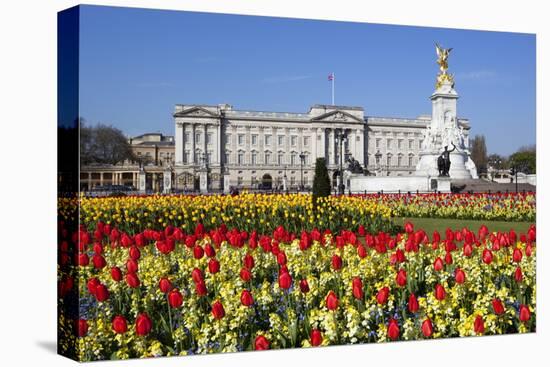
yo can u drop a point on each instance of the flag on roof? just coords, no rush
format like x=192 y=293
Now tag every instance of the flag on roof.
x=331 y=76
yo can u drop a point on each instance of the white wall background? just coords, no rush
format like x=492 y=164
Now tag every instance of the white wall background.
x=28 y=179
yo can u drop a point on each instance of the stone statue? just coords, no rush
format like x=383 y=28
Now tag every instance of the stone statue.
x=442 y=57
x=444 y=161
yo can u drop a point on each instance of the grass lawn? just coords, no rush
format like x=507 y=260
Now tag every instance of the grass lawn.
x=431 y=224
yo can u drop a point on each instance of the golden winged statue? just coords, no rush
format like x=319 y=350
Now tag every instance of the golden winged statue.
x=442 y=56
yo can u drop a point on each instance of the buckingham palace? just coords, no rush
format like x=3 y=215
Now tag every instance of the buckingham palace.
x=260 y=149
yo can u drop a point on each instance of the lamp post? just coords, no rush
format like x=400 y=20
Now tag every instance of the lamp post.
x=285 y=187
x=340 y=138
x=302 y=162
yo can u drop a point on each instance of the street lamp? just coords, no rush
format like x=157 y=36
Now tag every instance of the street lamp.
x=302 y=162
x=285 y=187
x=341 y=138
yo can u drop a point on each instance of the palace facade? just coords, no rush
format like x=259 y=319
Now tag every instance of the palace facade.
x=272 y=149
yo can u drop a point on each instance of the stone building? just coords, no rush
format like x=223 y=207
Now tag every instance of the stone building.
x=273 y=149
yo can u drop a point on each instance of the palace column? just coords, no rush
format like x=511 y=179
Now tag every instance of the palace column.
x=332 y=147
x=193 y=140
x=313 y=137
x=352 y=143
x=205 y=144
x=219 y=144
x=179 y=143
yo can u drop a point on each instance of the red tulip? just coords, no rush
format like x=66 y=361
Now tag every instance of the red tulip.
x=498 y=307
x=198 y=252
x=517 y=255
x=99 y=261
x=438 y=264
x=83 y=259
x=248 y=261
x=92 y=285
x=479 y=326
x=316 y=337
x=460 y=276
x=285 y=280
x=427 y=328
x=448 y=258
x=409 y=228
x=361 y=251
x=331 y=301
x=401 y=278
x=245 y=274
x=213 y=266
x=467 y=250
x=175 y=298
x=383 y=295
x=487 y=256
x=164 y=285
x=357 y=288
x=246 y=298
x=524 y=313
x=281 y=258
x=393 y=329
x=304 y=286
x=200 y=289
x=439 y=292
x=116 y=274
x=132 y=280
x=217 y=310
x=413 y=303
x=131 y=266
x=261 y=343
x=336 y=262
x=143 y=324
x=101 y=293
x=134 y=253
x=518 y=275
x=82 y=327
x=197 y=275
x=209 y=250
x=119 y=324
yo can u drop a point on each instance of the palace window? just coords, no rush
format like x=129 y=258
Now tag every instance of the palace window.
x=253 y=158
x=254 y=139
x=280 y=140
x=187 y=157
x=306 y=141
x=411 y=142
x=388 y=143
x=292 y=181
x=293 y=159
x=227 y=157
x=293 y=140
x=378 y=143
x=186 y=137
x=197 y=138
x=240 y=158
x=240 y=138
x=209 y=157
x=209 y=138
x=388 y=160
x=228 y=139
x=268 y=140
x=267 y=158
x=399 y=160
x=239 y=181
x=280 y=159
x=400 y=144
x=410 y=160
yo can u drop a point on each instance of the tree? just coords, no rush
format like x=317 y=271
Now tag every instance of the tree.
x=103 y=144
x=525 y=159
x=321 y=181
x=479 y=153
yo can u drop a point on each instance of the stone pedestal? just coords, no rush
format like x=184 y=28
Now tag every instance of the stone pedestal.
x=441 y=184
x=141 y=182
x=167 y=178
x=226 y=183
x=203 y=180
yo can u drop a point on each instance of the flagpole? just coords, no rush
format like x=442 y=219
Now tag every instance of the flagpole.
x=333 y=77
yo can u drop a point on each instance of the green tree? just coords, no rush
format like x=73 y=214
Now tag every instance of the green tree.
x=525 y=159
x=321 y=181
x=479 y=153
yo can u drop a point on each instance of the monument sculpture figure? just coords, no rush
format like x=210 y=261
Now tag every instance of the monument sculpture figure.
x=354 y=166
x=444 y=161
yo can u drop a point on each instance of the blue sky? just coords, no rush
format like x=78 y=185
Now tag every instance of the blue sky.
x=136 y=64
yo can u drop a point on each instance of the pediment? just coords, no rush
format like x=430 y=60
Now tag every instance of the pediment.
x=337 y=116
x=195 y=112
